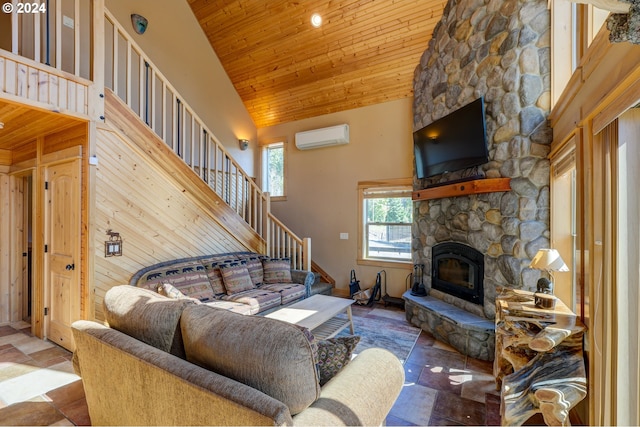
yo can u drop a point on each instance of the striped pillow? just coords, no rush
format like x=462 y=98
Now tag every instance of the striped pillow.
x=236 y=277
x=276 y=270
x=212 y=266
x=254 y=265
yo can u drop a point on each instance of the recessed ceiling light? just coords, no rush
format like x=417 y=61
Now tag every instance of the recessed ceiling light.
x=316 y=20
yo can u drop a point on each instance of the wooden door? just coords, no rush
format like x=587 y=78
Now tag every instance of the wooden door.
x=62 y=257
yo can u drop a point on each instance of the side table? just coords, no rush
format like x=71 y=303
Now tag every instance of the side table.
x=539 y=365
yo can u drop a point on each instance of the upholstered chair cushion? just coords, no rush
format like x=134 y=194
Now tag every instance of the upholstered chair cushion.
x=277 y=270
x=258 y=300
x=272 y=356
x=289 y=292
x=146 y=316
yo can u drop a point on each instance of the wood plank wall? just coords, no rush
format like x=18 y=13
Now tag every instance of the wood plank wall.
x=11 y=197
x=156 y=218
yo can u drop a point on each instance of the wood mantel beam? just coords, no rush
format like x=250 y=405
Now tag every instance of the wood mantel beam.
x=476 y=186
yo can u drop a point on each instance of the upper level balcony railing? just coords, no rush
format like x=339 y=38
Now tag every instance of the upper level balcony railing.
x=82 y=42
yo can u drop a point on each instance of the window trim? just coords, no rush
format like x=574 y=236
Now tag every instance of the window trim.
x=404 y=188
x=264 y=146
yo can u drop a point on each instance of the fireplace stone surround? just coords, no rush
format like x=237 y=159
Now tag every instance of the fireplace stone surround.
x=499 y=50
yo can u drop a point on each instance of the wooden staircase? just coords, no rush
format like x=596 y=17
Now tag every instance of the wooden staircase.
x=175 y=129
x=324 y=283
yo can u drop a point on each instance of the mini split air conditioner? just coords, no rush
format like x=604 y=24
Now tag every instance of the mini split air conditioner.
x=334 y=135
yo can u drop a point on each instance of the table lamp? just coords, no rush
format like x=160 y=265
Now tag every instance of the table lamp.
x=547 y=260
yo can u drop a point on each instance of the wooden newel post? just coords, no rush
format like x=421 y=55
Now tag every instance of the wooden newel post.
x=266 y=230
x=306 y=254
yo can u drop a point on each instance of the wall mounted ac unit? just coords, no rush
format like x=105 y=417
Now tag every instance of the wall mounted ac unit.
x=334 y=135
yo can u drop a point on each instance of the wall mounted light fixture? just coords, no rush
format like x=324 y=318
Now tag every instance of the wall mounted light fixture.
x=113 y=246
x=139 y=23
x=244 y=144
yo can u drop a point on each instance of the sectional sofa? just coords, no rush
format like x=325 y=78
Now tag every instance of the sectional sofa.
x=165 y=361
x=242 y=282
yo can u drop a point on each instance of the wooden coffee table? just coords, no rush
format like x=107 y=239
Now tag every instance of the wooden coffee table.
x=318 y=314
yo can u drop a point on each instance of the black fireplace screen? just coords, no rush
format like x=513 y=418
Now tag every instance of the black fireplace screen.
x=458 y=270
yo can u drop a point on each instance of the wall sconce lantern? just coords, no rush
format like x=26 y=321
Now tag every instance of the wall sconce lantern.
x=113 y=246
x=244 y=144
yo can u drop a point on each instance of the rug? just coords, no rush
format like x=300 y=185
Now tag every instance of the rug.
x=383 y=328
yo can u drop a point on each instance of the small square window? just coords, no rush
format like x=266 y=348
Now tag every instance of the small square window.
x=387 y=219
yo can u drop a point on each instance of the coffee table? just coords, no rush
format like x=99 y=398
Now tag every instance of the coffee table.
x=318 y=314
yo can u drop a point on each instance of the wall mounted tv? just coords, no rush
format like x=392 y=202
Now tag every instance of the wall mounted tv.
x=454 y=142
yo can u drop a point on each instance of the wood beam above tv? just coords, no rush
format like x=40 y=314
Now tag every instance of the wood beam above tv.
x=476 y=186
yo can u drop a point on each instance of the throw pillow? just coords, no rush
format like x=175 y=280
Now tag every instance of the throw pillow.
x=212 y=266
x=169 y=291
x=277 y=270
x=236 y=277
x=188 y=277
x=254 y=265
x=333 y=355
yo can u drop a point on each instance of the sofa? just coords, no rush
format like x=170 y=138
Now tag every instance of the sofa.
x=163 y=361
x=242 y=282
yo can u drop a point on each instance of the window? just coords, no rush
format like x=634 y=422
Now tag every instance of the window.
x=273 y=175
x=564 y=227
x=387 y=218
x=573 y=28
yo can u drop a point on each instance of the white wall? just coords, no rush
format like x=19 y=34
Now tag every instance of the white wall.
x=322 y=194
x=178 y=47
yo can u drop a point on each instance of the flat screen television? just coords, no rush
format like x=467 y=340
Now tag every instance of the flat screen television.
x=454 y=142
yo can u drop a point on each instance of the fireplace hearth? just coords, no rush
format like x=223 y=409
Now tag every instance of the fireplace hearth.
x=458 y=270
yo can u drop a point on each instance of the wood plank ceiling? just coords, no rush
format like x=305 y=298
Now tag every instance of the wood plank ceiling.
x=284 y=69
x=21 y=126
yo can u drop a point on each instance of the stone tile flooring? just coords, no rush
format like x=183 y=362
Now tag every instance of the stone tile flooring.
x=442 y=387
x=37 y=383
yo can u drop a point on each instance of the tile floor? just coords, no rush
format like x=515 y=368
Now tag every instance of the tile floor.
x=442 y=387
x=37 y=383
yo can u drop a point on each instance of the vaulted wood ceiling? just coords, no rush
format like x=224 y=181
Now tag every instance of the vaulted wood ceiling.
x=284 y=69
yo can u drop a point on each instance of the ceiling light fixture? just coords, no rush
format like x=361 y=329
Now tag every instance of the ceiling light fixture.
x=316 y=20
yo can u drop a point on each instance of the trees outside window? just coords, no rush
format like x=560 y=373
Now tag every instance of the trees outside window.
x=274 y=170
x=387 y=215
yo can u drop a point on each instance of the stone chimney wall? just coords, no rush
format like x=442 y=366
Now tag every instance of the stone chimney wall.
x=499 y=50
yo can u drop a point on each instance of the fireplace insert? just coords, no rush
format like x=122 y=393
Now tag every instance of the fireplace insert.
x=458 y=270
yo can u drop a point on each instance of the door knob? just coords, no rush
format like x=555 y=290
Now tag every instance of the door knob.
x=70 y=267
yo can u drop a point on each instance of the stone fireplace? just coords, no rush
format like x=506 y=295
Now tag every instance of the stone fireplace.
x=499 y=50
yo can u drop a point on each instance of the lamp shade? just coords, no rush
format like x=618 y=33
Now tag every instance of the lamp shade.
x=548 y=260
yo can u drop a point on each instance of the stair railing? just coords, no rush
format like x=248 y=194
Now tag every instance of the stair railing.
x=133 y=77
x=282 y=242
